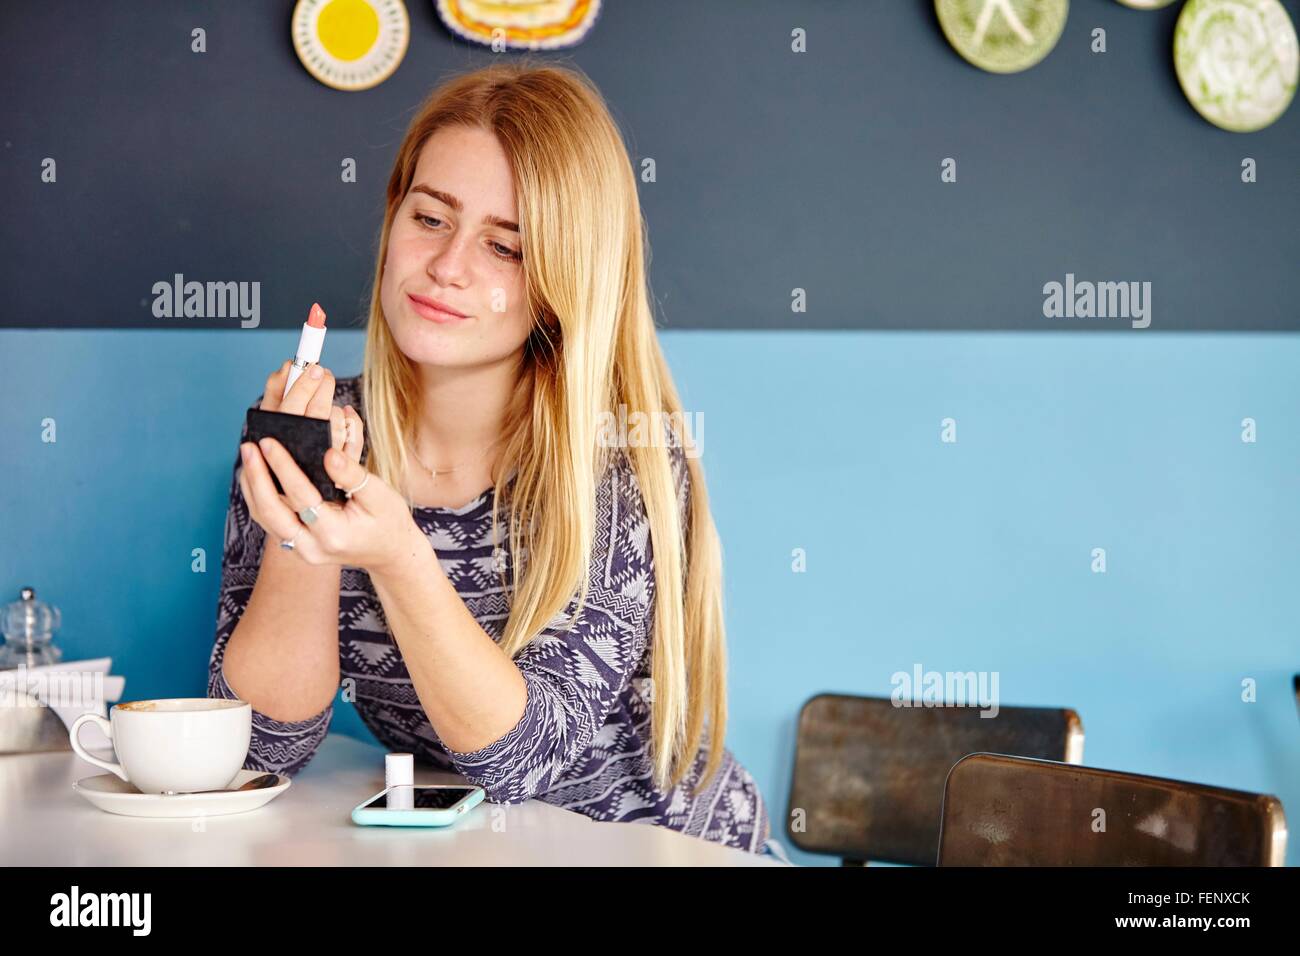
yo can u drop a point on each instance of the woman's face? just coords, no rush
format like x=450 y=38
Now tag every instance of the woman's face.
x=455 y=239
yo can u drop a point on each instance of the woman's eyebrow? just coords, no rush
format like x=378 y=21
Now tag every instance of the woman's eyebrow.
x=459 y=206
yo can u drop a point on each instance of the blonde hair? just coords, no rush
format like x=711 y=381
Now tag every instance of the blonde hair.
x=591 y=346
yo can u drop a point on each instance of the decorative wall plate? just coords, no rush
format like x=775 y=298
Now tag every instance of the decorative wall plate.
x=350 y=44
x=1002 y=36
x=1237 y=61
x=1146 y=4
x=520 y=24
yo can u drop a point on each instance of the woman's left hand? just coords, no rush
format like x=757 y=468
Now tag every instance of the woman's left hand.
x=373 y=530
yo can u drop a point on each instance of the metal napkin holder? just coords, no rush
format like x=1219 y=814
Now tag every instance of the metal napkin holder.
x=31 y=726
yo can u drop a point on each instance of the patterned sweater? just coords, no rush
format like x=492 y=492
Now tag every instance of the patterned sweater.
x=583 y=740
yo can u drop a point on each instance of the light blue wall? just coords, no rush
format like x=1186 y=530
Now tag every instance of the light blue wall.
x=966 y=556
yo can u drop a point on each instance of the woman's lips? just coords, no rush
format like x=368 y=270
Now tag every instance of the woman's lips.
x=425 y=310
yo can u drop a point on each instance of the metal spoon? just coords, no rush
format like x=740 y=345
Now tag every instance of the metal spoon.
x=260 y=782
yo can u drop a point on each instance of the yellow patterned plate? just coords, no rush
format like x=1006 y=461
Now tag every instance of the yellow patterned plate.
x=350 y=44
x=520 y=24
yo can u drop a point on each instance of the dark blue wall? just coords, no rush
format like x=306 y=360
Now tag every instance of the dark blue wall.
x=774 y=170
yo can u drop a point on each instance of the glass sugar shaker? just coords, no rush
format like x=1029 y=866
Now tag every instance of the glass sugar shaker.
x=28 y=626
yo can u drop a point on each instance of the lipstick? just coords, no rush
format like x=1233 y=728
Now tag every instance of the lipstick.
x=310 y=343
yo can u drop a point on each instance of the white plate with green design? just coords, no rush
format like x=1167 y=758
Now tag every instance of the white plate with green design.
x=1237 y=61
x=1002 y=36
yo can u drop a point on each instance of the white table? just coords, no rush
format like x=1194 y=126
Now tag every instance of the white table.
x=43 y=822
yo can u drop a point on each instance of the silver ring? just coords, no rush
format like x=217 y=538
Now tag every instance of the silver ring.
x=352 y=491
x=290 y=543
x=308 y=515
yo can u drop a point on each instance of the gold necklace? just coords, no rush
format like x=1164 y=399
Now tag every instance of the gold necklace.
x=434 y=473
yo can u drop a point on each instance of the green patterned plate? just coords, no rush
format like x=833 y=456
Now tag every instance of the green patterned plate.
x=1002 y=36
x=1237 y=61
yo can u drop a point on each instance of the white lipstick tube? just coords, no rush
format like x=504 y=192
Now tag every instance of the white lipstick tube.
x=310 y=344
x=399 y=780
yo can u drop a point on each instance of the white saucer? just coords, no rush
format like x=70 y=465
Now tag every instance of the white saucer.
x=110 y=792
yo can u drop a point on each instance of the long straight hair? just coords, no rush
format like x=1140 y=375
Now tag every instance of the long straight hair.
x=592 y=345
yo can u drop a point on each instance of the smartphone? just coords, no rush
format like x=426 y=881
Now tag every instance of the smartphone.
x=306 y=439
x=414 y=806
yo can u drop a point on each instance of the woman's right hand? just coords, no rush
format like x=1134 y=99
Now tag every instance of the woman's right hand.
x=314 y=398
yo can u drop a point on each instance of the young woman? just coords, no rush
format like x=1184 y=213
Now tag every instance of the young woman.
x=506 y=593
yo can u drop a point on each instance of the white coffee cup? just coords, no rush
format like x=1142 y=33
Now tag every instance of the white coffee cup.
x=180 y=744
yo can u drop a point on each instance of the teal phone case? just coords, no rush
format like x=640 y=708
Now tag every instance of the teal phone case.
x=415 y=818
